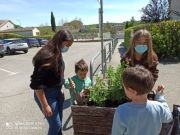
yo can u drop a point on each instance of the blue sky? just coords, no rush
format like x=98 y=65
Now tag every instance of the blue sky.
x=37 y=12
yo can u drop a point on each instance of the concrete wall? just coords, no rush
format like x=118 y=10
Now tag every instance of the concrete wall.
x=35 y=32
x=175 y=6
x=24 y=33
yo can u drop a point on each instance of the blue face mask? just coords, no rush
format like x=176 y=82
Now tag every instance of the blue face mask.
x=141 y=48
x=64 y=49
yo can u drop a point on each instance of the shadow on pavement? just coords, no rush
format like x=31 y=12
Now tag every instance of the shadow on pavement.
x=66 y=123
x=166 y=61
x=66 y=104
x=16 y=53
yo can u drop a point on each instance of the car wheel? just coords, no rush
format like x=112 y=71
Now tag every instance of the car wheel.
x=9 y=51
x=25 y=51
x=2 y=55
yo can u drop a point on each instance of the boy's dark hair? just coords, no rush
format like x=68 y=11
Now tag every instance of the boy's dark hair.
x=139 y=79
x=81 y=65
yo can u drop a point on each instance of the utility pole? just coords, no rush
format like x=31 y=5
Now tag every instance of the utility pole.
x=101 y=35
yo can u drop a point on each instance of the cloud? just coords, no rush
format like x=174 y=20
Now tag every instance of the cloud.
x=91 y=19
x=12 y=6
x=79 y=4
x=17 y=1
x=41 y=14
x=125 y=6
x=4 y=8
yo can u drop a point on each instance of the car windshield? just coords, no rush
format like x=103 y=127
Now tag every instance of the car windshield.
x=1 y=41
x=33 y=40
x=14 y=41
x=19 y=41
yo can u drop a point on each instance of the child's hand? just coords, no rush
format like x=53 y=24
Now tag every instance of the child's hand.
x=160 y=89
x=128 y=61
x=71 y=84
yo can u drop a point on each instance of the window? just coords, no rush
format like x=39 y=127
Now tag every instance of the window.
x=37 y=33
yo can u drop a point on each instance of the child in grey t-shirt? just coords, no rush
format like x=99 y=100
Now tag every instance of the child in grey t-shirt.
x=140 y=116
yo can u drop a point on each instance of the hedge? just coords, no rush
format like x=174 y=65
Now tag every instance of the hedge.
x=10 y=35
x=165 y=36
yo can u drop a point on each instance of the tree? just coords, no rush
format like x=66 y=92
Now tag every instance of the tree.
x=53 y=23
x=107 y=27
x=155 y=11
x=130 y=23
x=75 y=24
x=126 y=24
x=17 y=26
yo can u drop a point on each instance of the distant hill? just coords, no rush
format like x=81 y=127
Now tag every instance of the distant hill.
x=92 y=28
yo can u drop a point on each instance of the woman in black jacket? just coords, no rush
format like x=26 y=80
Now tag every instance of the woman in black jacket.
x=48 y=78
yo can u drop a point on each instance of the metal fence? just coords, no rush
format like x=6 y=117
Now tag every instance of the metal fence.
x=108 y=50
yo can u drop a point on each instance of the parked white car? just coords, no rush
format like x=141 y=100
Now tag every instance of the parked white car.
x=2 y=49
x=13 y=45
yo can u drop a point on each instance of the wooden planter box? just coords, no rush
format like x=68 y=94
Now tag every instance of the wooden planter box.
x=91 y=120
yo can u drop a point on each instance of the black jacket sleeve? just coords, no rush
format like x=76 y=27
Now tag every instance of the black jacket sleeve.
x=153 y=69
x=36 y=79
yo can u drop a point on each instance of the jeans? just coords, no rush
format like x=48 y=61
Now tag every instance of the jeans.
x=55 y=99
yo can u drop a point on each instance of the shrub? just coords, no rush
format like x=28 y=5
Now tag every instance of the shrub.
x=12 y=35
x=9 y=35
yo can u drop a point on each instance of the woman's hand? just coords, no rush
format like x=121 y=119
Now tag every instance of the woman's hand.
x=47 y=111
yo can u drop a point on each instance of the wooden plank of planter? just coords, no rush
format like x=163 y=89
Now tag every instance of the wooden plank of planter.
x=92 y=130
x=89 y=120
x=89 y=110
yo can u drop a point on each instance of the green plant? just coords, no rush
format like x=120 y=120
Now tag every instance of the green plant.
x=99 y=92
x=115 y=87
x=109 y=89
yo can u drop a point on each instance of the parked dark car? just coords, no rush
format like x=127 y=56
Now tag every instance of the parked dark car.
x=42 y=41
x=32 y=42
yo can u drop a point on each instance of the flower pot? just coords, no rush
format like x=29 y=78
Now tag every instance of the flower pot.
x=91 y=120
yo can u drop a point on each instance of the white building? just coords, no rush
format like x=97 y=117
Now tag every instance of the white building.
x=29 y=31
x=174 y=7
x=6 y=24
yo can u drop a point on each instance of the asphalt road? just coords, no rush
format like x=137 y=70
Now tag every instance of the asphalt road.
x=19 y=115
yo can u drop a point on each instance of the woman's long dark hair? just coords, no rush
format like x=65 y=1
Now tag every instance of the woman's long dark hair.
x=49 y=57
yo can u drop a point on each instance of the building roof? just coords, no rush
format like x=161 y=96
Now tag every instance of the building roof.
x=19 y=29
x=3 y=22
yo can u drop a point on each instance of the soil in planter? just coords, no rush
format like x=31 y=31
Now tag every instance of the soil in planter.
x=110 y=103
